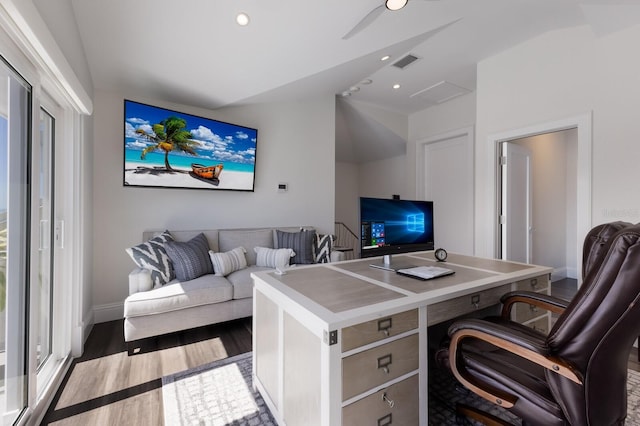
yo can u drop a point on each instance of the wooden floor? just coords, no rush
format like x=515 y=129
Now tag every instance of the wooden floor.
x=107 y=387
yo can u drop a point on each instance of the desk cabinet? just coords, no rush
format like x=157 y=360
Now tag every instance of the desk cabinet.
x=346 y=344
x=534 y=317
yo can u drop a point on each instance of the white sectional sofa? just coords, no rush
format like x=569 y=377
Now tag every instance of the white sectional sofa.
x=153 y=308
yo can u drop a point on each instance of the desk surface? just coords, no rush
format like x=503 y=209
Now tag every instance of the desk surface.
x=335 y=291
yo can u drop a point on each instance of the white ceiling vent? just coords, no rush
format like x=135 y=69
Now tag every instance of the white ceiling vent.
x=405 y=62
x=441 y=92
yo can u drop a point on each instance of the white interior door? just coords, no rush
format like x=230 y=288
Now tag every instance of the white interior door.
x=515 y=219
x=448 y=182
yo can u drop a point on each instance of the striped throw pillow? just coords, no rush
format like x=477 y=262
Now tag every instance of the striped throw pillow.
x=228 y=262
x=273 y=258
x=190 y=259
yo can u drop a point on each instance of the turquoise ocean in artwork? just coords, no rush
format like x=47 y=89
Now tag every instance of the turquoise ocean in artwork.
x=154 y=159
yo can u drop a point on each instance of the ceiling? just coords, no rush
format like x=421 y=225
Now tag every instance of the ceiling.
x=192 y=52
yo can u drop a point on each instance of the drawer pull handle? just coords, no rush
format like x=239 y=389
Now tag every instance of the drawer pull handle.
x=386 y=399
x=475 y=300
x=384 y=362
x=385 y=421
x=534 y=283
x=533 y=308
x=384 y=325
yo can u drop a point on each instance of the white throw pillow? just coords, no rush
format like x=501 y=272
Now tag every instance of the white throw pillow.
x=273 y=258
x=228 y=262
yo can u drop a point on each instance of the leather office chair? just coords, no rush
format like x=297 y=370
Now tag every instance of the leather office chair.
x=577 y=374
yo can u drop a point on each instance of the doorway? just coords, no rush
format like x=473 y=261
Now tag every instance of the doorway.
x=578 y=189
x=446 y=177
x=538 y=201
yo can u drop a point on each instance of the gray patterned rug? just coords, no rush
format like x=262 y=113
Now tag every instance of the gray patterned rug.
x=221 y=394
x=216 y=394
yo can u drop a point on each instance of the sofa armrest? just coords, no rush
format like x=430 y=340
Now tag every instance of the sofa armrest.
x=139 y=280
x=337 y=256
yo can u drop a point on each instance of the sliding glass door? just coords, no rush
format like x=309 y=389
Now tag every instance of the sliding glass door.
x=15 y=150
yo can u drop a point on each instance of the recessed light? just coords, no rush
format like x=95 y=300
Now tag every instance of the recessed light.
x=354 y=89
x=366 y=81
x=242 y=19
x=395 y=4
x=396 y=86
x=346 y=93
x=385 y=57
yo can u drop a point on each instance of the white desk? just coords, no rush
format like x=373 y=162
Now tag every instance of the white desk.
x=334 y=344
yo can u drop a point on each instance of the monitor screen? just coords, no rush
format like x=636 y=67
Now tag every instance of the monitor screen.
x=389 y=226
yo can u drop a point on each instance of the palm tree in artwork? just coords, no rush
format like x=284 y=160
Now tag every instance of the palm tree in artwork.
x=169 y=135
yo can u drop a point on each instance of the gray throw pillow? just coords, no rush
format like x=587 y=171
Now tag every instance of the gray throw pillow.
x=190 y=259
x=153 y=257
x=300 y=242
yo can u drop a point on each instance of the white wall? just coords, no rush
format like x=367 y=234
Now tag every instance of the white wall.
x=384 y=178
x=562 y=74
x=295 y=145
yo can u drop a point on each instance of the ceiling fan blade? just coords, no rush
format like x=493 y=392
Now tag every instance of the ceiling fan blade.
x=365 y=22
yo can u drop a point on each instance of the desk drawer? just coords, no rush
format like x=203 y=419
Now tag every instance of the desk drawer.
x=453 y=308
x=395 y=405
x=533 y=284
x=524 y=312
x=541 y=324
x=373 y=367
x=378 y=329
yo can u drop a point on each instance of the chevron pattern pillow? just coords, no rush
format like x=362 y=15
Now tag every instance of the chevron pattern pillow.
x=322 y=248
x=153 y=257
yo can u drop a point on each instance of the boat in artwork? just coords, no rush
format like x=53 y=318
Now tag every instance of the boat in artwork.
x=207 y=172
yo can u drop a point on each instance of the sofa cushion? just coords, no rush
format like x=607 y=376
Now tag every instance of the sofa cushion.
x=242 y=281
x=190 y=259
x=229 y=239
x=301 y=242
x=204 y=290
x=273 y=258
x=228 y=262
x=152 y=256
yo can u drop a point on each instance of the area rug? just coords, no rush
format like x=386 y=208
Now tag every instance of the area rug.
x=215 y=394
x=221 y=394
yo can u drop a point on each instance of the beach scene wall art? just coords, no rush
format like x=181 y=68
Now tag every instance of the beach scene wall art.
x=170 y=149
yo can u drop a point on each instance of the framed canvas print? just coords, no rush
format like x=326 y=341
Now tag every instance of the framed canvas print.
x=170 y=149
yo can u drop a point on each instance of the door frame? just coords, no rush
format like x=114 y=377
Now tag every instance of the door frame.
x=469 y=134
x=583 y=124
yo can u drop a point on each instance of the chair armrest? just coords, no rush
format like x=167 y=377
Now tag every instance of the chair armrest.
x=140 y=280
x=541 y=300
x=526 y=346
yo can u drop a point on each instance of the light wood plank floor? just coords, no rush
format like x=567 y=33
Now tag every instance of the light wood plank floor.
x=107 y=387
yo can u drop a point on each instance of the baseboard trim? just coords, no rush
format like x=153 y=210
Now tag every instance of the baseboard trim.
x=108 y=312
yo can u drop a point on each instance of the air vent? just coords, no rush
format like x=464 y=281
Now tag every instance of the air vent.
x=441 y=92
x=405 y=62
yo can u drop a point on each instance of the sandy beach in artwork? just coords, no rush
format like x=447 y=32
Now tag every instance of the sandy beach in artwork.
x=140 y=174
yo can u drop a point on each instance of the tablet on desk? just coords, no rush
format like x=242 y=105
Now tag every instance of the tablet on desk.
x=425 y=272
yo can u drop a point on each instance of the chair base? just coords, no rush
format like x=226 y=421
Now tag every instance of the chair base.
x=481 y=416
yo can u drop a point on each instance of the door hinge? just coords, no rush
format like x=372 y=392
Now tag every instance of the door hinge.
x=503 y=160
x=502 y=219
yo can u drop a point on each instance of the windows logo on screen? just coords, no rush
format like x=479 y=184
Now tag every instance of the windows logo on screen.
x=415 y=222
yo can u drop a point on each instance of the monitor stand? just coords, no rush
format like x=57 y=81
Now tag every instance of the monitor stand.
x=389 y=265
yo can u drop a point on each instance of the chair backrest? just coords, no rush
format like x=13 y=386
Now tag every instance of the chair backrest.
x=597 y=330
